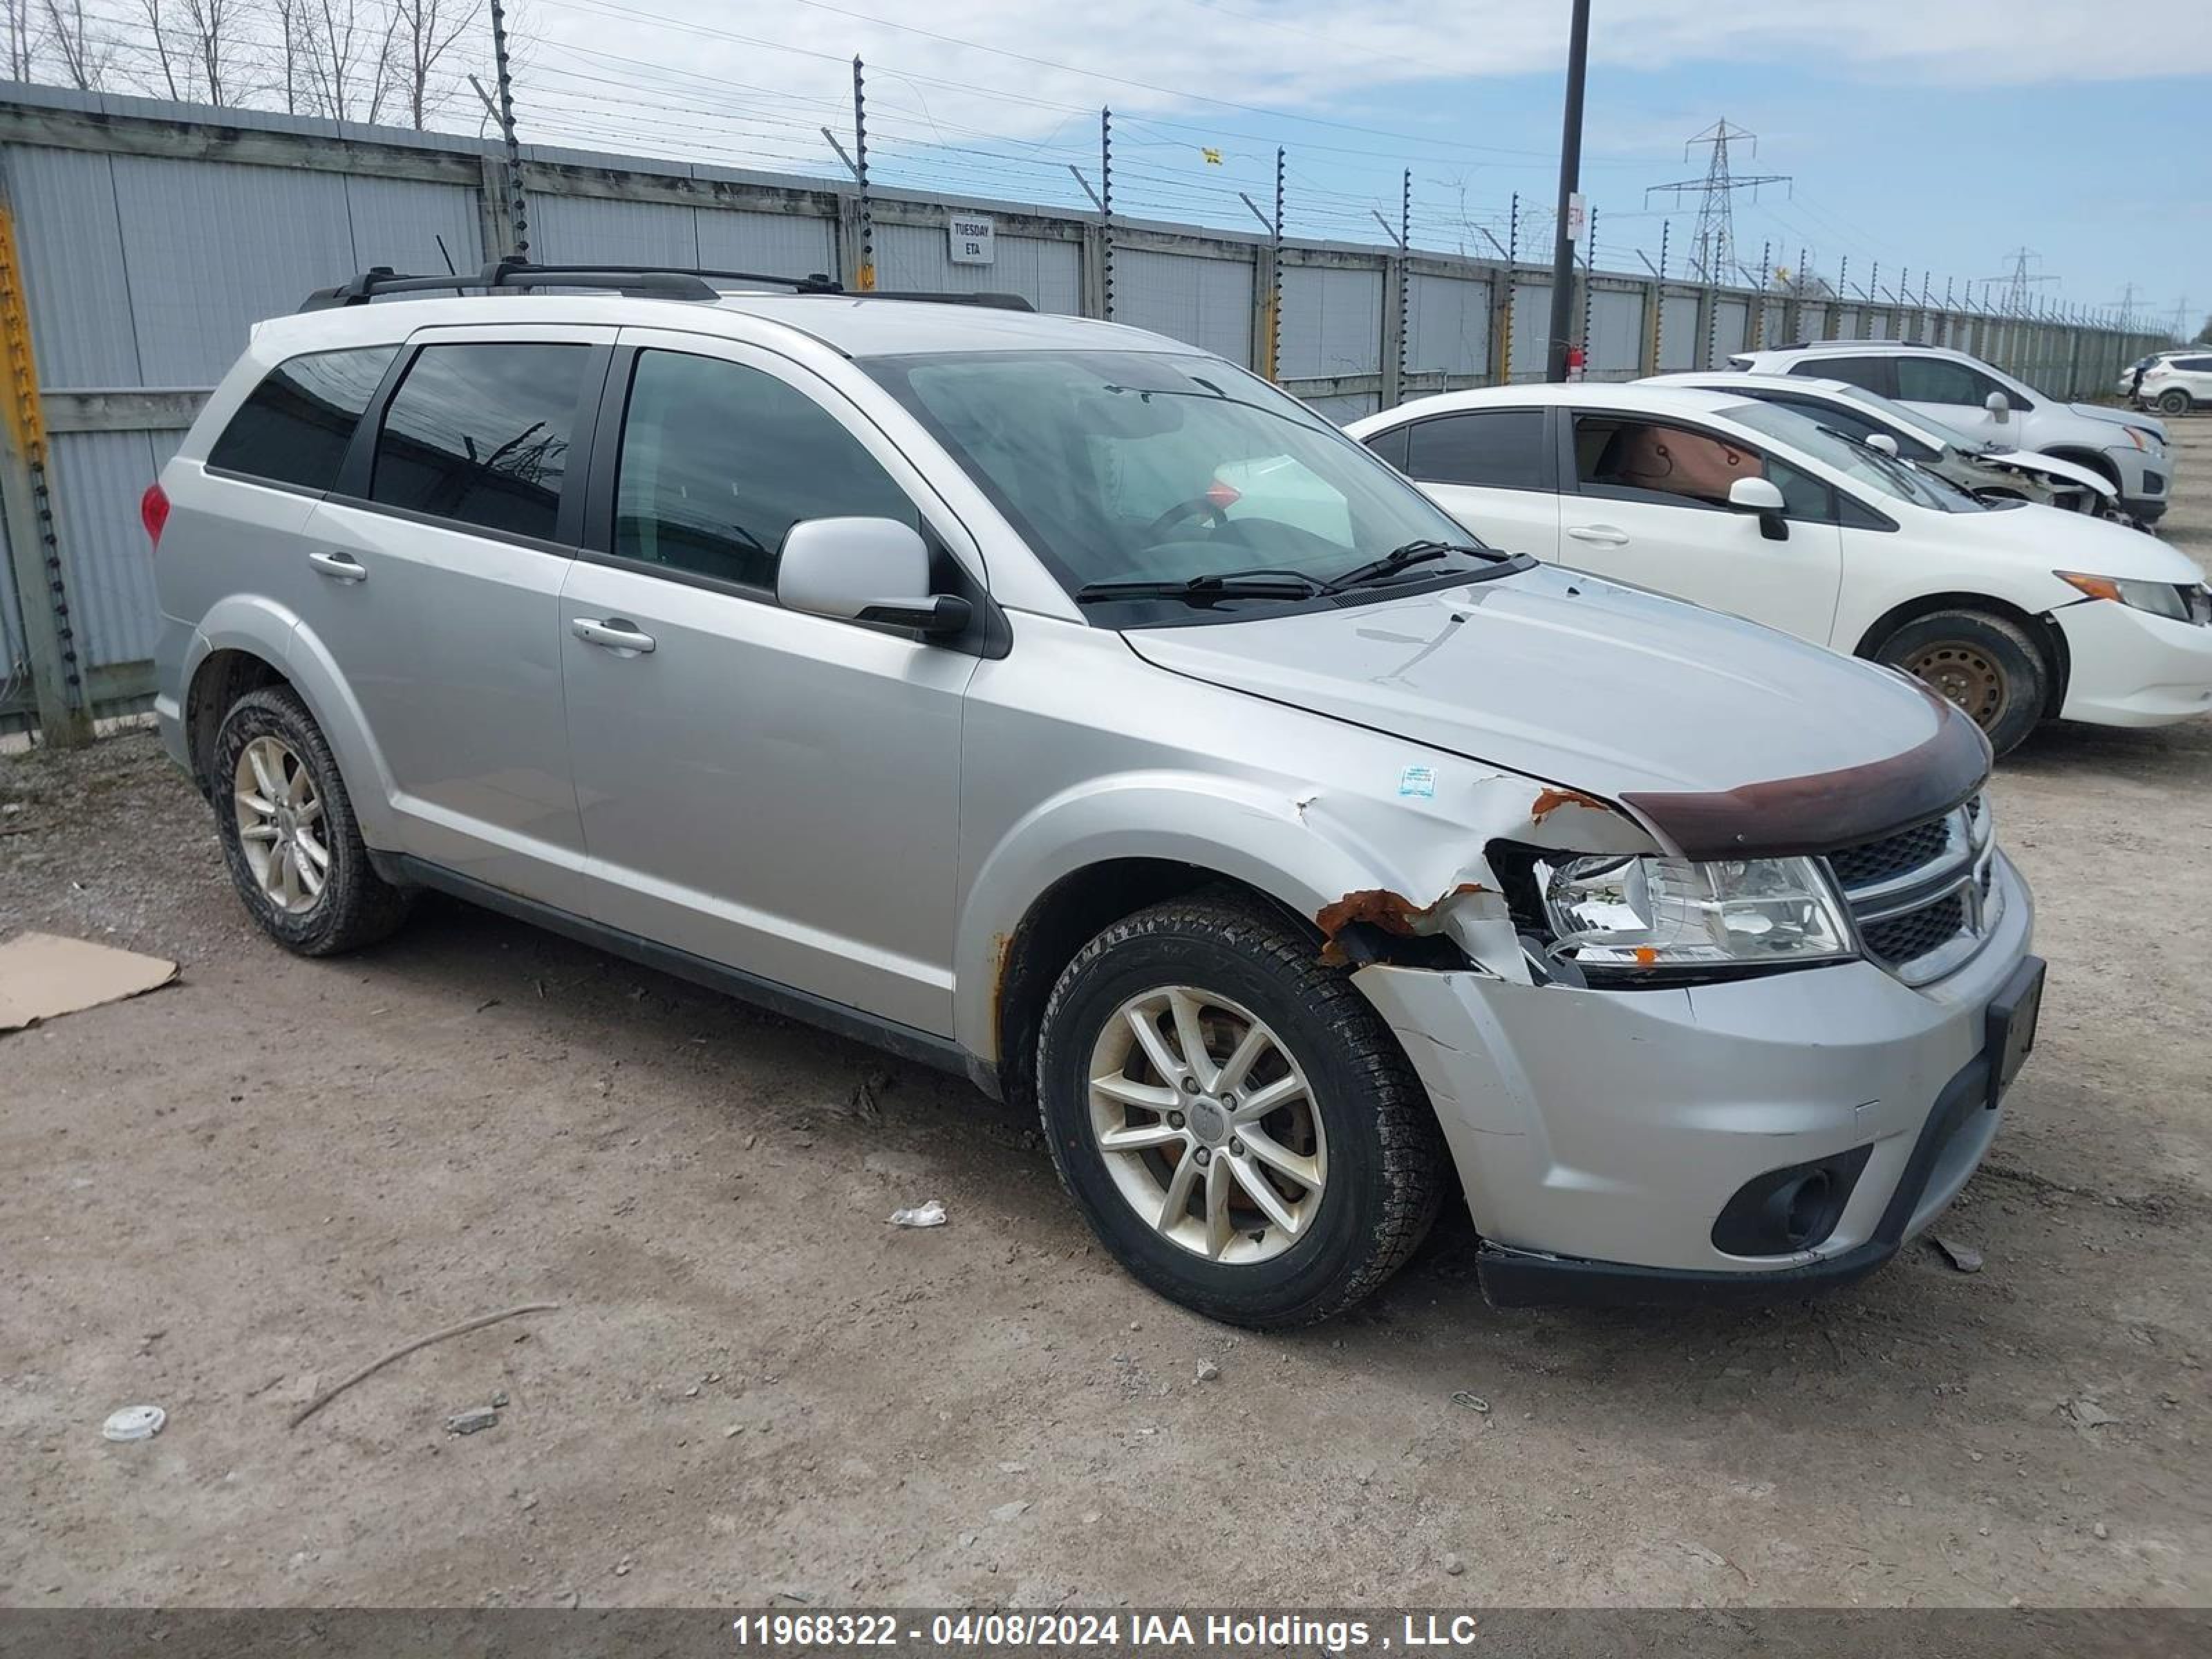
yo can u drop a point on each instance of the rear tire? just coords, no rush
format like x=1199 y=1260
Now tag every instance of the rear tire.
x=288 y=833
x=1987 y=664
x=1350 y=1152
x=2174 y=401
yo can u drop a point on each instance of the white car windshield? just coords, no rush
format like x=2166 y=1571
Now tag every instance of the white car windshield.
x=1899 y=480
x=1128 y=469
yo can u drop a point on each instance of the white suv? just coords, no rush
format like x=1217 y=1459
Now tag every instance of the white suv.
x=2174 y=383
x=1986 y=402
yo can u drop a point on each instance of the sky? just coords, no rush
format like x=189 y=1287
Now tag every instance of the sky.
x=1926 y=138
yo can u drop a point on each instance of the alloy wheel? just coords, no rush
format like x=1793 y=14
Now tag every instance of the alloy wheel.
x=1207 y=1125
x=279 y=814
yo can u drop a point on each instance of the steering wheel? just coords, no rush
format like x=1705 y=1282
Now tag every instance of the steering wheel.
x=1197 y=507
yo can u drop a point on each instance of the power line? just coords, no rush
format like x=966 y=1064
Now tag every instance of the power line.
x=1715 y=244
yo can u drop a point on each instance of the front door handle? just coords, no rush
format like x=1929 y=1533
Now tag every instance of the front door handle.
x=1603 y=534
x=338 y=567
x=612 y=635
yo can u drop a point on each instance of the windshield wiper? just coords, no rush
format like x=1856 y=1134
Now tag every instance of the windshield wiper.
x=1207 y=589
x=1412 y=553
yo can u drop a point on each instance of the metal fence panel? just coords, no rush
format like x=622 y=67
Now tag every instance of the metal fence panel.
x=1448 y=326
x=1812 y=322
x=98 y=477
x=781 y=243
x=74 y=279
x=1204 y=300
x=1678 y=344
x=1046 y=273
x=212 y=247
x=1731 y=327
x=1332 y=321
x=1345 y=406
x=401 y=222
x=1532 y=330
x=573 y=230
x=1616 y=335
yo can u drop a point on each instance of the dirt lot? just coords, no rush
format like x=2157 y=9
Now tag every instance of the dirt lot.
x=225 y=1194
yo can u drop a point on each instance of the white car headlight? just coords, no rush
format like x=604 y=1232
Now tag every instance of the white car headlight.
x=2159 y=599
x=1623 y=915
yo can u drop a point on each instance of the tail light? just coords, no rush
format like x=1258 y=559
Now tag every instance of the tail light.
x=153 y=513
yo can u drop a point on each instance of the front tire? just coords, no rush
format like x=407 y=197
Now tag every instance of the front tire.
x=2173 y=401
x=288 y=834
x=1986 y=664
x=1235 y=1120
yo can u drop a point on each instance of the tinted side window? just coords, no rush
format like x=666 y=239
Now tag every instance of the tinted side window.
x=480 y=435
x=1934 y=381
x=1391 y=446
x=720 y=460
x=1804 y=496
x=1501 y=448
x=2195 y=365
x=295 y=426
x=1872 y=373
x=1630 y=459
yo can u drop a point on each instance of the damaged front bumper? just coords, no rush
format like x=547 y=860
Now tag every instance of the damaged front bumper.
x=1601 y=1136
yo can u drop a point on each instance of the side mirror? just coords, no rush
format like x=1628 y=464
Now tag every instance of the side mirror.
x=1761 y=497
x=1884 y=442
x=1999 y=407
x=864 y=570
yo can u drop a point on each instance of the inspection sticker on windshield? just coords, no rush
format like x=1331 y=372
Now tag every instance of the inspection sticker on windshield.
x=1418 y=780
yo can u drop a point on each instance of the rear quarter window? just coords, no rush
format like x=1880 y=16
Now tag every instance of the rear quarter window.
x=294 y=427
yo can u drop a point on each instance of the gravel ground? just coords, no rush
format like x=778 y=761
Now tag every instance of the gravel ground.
x=226 y=1195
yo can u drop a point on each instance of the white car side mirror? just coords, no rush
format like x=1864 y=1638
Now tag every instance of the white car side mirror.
x=865 y=570
x=1760 y=495
x=1884 y=442
x=1999 y=407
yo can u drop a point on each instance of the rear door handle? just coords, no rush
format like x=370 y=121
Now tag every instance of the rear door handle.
x=338 y=567
x=1603 y=534
x=612 y=635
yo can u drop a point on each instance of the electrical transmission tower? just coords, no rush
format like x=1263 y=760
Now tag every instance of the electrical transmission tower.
x=2020 y=282
x=1712 y=258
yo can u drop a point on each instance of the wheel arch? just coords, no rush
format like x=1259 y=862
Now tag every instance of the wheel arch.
x=2098 y=463
x=2039 y=627
x=222 y=678
x=1067 y=916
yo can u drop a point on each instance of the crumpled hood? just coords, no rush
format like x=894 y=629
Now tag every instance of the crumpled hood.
x=2073 y=472
x=2122 y=418
x=1604 y=689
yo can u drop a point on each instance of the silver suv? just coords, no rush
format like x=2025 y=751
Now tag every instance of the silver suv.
x=1068 y=708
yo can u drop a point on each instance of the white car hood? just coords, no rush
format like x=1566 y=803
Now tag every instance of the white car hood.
x=2122 y=418
x=2072 y=472
x=1573 y=680
x=2047 y=539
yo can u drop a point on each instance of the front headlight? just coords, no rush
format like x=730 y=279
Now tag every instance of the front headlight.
x=2159 y=599
x=1623 y=915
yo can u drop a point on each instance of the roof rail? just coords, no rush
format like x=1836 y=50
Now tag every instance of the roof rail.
x=661 y=282
x=664 y=281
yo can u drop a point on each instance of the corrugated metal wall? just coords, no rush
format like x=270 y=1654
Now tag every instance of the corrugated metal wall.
x=1449 y=325
x=1679 y=343
x=1332 y=321
x=1207 y=301
x=1615 y=350
x=1046 y=273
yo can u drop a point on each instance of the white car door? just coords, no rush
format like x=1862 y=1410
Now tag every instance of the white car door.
x=1647 y=505
x=1958 y=394
x=1492 y=470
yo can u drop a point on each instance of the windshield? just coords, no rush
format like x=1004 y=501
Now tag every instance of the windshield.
x=1123 y=467
x=1899 y=480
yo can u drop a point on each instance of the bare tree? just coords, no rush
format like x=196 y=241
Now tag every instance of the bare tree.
x=425 y=31
x=159 y=29
x=23 y=44
x=87 y=59
x=214 y=27
x=344 y=59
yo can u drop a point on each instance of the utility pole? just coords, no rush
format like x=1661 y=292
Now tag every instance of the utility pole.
x=1570 y=165
x=518 y=205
